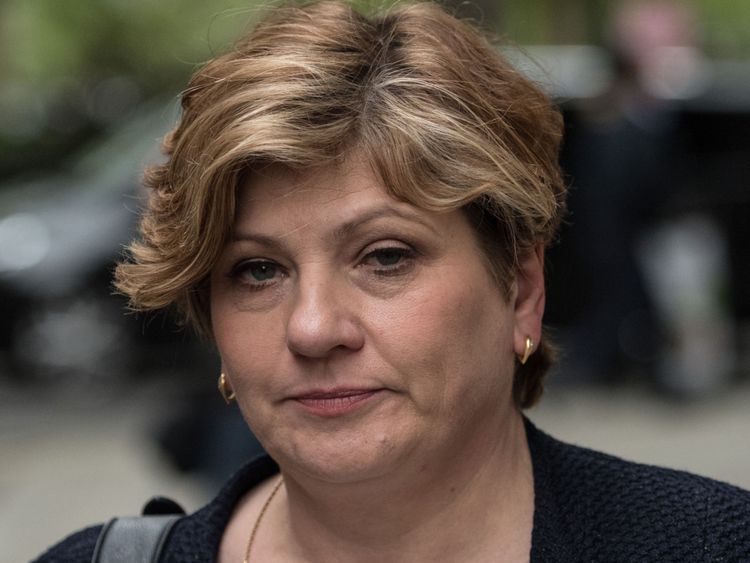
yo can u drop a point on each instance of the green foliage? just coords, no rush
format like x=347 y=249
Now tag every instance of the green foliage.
x=71 y=68
x=157 y=43
x=726 y=27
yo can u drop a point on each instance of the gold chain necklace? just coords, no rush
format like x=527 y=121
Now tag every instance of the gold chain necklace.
x=260 y=517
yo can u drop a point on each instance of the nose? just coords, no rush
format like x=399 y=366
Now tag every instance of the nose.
x=322 y=320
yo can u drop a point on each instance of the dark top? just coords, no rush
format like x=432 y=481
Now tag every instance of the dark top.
x=589 y=507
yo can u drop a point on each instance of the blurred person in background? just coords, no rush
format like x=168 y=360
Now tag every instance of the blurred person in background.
x=638 y=294
x=355 y=210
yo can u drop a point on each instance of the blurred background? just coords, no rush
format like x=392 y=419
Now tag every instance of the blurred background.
x=101 y=409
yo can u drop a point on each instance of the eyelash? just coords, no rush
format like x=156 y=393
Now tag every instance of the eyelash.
x=240 y=272
x=405 y=255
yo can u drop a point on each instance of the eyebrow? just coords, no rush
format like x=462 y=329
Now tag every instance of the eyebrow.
x=344 y=230
x=263 y=240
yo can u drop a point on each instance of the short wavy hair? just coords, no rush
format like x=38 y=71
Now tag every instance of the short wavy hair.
x=445 y=121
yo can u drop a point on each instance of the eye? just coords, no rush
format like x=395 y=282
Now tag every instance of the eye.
x=389 y=260
x=258 y=273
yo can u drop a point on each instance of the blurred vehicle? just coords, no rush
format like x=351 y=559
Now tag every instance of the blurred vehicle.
x=60 y=236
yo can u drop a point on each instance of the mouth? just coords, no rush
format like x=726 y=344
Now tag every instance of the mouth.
x=336 y=402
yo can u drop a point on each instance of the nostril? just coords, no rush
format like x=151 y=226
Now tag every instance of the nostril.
x=318 y=341
x=316 y=333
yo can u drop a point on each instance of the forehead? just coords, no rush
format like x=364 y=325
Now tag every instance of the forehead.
x=331 y=192
x=332 y=202
x=277 y=184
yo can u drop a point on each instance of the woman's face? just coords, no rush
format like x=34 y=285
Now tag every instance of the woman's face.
x=361 y=333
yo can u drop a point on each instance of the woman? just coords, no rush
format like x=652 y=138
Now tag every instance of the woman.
x=355 y=211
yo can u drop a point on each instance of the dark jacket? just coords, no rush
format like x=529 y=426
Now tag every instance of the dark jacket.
x=589 y=507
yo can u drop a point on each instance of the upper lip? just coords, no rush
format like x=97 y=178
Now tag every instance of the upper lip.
x=334 y=393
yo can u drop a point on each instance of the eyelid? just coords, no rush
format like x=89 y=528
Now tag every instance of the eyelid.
x=239 y=271
x=243 y=263
x=385 y=244
x=406 y=256
x=389 y=244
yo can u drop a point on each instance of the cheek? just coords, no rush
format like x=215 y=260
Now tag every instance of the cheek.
x=249 y=357
x=244 y=346
x=448 y=336
x=247 y=342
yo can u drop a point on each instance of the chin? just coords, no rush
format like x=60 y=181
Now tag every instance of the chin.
x=339 y=457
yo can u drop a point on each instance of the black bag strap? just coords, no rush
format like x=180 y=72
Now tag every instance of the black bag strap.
x=136 y=539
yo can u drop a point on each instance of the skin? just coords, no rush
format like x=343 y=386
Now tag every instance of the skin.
x=330 y=284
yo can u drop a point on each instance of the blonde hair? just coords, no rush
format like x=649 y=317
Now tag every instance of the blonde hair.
x=445 y=121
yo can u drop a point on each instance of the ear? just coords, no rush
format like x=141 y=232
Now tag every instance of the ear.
x=529 y=299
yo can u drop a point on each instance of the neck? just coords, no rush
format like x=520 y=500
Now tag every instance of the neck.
x=477 y=500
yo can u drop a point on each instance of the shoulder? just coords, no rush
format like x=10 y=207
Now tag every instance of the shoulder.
x=195 y=537
x=636 y=509
x=76 y=547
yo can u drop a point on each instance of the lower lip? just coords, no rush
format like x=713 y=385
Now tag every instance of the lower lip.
x=336 y=406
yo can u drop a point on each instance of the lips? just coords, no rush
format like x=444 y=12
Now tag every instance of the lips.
x=335 y=402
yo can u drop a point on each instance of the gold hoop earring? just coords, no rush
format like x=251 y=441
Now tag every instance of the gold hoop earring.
x=226 y=394
x=527 y=351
